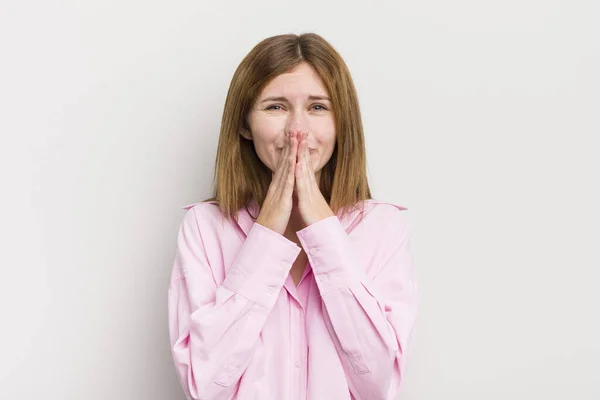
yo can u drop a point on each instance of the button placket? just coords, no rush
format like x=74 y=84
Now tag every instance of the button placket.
x=301 y=345
x=293 y=350
x=298 y=353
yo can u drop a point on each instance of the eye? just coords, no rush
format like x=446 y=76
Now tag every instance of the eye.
x=271 y=107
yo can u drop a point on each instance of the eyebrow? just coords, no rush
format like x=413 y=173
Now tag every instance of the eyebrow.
x=281 y=98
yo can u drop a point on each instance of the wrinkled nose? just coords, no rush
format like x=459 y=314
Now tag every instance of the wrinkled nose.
x=297 y=122
x=297 y=131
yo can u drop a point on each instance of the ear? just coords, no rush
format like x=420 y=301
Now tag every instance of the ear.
x=246 y=133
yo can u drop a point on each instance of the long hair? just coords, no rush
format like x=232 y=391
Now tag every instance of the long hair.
x=240 y=176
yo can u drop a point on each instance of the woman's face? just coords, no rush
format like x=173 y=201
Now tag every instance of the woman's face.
x=295 y=101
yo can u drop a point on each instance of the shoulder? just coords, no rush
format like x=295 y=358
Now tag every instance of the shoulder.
x=202 y=211
x=385 y=209
x=201 y=204
x=209 y=206
x=385 y=205
x=389 y=217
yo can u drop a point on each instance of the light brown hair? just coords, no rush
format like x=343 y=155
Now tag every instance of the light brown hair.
x=240 y=176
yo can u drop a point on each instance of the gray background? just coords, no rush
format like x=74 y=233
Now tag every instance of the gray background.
x=481 y=117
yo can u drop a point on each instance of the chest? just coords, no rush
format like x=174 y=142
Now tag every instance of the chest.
x=298 y=267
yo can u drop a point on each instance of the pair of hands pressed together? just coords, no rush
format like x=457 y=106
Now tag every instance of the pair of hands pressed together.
x=312 y=206
x=294 y=177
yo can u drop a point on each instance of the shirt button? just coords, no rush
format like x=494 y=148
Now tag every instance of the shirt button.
x=298 y=364
x=313 y=250
x=284 y=265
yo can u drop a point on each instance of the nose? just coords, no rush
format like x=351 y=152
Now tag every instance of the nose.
x=297 y=122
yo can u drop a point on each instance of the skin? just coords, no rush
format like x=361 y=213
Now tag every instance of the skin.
x=305 y=122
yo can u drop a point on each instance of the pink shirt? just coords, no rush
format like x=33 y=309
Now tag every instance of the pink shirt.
x=240 y=328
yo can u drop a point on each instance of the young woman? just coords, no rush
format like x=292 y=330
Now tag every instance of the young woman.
x=292 y=283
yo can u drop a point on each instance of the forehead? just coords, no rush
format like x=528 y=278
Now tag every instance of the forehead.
x=302 y=81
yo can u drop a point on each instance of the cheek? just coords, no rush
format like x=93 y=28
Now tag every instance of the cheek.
x=325 y=132
x=266 y=124
x=326 y=145
x=326 y=139
x=267 y=137
x=267 y=146
x=263 y=129
x=267 y=151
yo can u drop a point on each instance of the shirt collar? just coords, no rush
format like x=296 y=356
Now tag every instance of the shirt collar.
x=245 y=220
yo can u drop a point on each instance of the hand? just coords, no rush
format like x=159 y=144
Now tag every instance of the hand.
x=312 y=206
x=277 y=207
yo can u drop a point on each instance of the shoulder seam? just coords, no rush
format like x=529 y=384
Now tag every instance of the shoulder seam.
x=389 y=203
x=187 y=207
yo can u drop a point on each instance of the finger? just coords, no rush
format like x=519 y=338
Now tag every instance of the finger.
x=290 y=172
x=285 y=152
x=311 y=165
x=309 y=175
x=301 y=165
x=308 y=158
x=278 y=179
x=300 y=153
x=306 y=155
x=293 y=156
x=286 y=148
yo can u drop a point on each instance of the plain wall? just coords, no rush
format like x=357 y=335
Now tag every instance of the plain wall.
x=481 y=117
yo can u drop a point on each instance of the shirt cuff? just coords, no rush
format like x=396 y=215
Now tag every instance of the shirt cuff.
x=262 y=265
x=331 y=255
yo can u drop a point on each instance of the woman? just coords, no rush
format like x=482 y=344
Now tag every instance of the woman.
x=292 y=282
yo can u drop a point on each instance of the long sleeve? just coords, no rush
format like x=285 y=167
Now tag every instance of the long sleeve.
x=214 y=329
x=370 y=320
